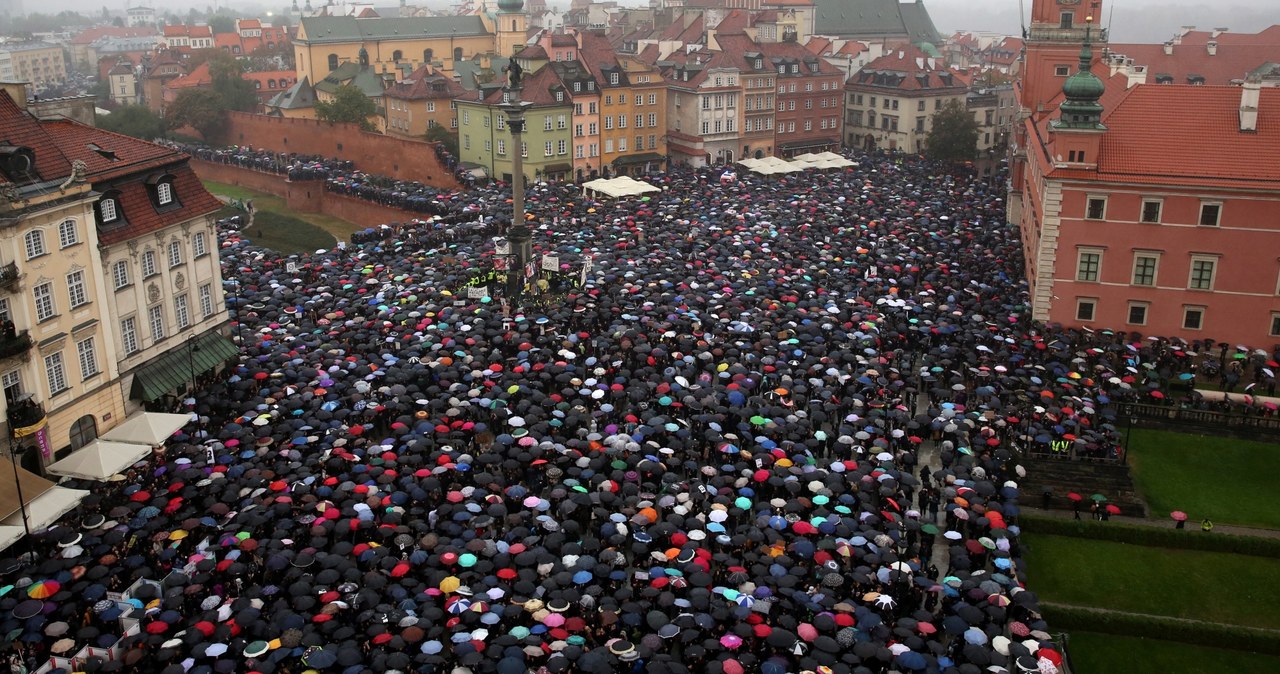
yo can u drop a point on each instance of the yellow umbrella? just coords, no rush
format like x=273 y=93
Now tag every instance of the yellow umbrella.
x=450 y=584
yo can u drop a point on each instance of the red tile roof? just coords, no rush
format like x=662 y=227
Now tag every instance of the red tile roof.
x=1233 y=60
x=141 y=217
x=20 y=128
x=131 y=154
x=424 y=85
x=907 y=69
x=1183 y=132
x=198 y=77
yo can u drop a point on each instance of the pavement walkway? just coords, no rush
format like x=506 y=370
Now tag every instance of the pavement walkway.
x=1192 y=527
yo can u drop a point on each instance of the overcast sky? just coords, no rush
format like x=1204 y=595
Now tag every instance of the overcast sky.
x=1130 y=20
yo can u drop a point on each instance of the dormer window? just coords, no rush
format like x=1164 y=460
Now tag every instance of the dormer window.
x=109 y=208
x=613 y=78
x=759 y=64
x=160 y=189
x=559 y=96
x=577 y=86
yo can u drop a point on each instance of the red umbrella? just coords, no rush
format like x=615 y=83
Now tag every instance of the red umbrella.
x=1178 y=516
x=140 y=496
x=157 y=627
x=1075 y=497
x=1113 y=509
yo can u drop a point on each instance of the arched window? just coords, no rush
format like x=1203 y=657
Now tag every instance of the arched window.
x=83 y=431
x=271 y=84
x=427 y=55
x=397 y=55
x=457 y=53
x=333 y=61
x=34 y=241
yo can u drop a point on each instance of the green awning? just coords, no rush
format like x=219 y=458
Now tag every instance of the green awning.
x=172 y=371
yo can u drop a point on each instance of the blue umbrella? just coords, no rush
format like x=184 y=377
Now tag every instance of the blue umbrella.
x=912 y=660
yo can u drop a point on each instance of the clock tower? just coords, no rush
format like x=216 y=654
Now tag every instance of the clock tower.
x=1053 y=42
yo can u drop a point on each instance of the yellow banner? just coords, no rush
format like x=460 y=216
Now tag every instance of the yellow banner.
x=30 y=430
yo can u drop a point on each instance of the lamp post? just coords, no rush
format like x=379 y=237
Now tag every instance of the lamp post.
x=17 y=482
x=192 y=348
x=519 y=234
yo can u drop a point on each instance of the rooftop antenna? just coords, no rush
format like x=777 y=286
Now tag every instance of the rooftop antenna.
x=1022 y=20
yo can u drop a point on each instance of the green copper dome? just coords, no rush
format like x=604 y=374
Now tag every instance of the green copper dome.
x=1083 y=86
x=1082 y=90
x=510 y=5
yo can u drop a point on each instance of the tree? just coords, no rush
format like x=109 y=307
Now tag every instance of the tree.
x=226 y=73
x=439 y=134
x=134 y=120
x=954 y=136
x=222 y=23
x=200 y=109
x=349 y=104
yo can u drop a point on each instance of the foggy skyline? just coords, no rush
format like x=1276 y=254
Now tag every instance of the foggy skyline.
x=1129 y=20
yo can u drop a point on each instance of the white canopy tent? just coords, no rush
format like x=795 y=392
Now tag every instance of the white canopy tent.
x=45 y=509
x=621 y=186
x=100 y=459
x=770 y=166
x=148 y=428
x=10 y=535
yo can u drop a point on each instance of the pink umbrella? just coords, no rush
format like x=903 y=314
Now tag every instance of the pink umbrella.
x=732 y=667
x=731 y=641
x=1178 y=516
x=553 y=620
x=807 y=632
x=926 y=628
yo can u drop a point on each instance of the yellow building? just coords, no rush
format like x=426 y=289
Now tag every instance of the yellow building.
x=109 y=275
x=39 y=63
x=419 y=102
x=401 y=45
x=632 y=109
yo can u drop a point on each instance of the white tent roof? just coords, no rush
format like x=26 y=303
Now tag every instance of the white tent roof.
x=10 y=535
x=45 y=509
x=100 y=460
x=148 y=428
x=621 y=186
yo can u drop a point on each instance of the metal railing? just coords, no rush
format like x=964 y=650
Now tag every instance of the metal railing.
x=16 y=345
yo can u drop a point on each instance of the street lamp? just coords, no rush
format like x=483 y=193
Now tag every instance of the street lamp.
x=192 y=348
x=17 y=482
x=519 y=234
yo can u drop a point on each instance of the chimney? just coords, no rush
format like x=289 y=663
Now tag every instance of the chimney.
x=1168 y=48
x=1212 y=46
x=1219 y=31
x=17 y=90
x=1250 y=92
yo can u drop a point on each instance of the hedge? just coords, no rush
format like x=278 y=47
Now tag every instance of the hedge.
x=1218 y=635
x=1161 y=537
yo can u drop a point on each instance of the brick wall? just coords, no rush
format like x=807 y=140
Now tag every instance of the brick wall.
x=372 y=152
x=307 y=196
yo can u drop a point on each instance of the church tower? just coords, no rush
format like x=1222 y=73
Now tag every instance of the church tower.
x=1053 y=47
x=1078 y=129
x=512 y=26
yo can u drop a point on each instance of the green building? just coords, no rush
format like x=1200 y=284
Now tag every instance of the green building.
x=484 y=139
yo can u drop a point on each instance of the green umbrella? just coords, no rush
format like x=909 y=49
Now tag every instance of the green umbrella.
x=759 y=420
x=929 y=529
x=1098 y=497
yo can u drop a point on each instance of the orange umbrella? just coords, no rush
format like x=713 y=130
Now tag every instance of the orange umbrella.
x=43 y=589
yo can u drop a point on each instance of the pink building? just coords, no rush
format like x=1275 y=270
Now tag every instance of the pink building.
x=1148 y=208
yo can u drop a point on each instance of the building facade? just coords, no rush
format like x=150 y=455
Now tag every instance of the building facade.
x=891 y=102
x=80 y=210
x=38 y=63
x=421 y=101
x=485 y=139
x=1135 y=211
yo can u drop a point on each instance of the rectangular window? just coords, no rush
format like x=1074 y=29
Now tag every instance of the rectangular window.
x=653 y=142
x=120 y=272
x=639 y=121
x=1138 y=313
x=108 y=207
x=594 y=150
x=55 y=372
x=88 y=358
x=546 y=122
x=1144 y=270
x=502 y=147
x=156 y=316
x=919 y=106
x=11 y=382
x=608 y=122
x=175 y=253
x=148 y=263
x=919 y=124
x=591 y=108
x=164 y=193
x=182 y=311
x=1062 y=71
x=548 y=149
x=622 y=121
x=577 y=129
x=592 y=129
x=1088 y=265
x=43 y=295
x=129 y=335
x=466 y=117
x=198 y=245
x=1275 y=325
x=466 y=141
x=1151 y=210
x=1209 y=214
x=579 y=152
x=608 y=145
x=68 y=235
x=561 y=122
x=524 y=150
x=653 y=99
x=75 y=289
x=622 y=145
x=706 y=128
x=1192 y=318
x=1202 y=273
x=562 y=147
x=1085 y=308
x=1096 y=208
x=206 y=300
x=501 y=123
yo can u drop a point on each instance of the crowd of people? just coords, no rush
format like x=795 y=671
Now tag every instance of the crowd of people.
x=769 y=431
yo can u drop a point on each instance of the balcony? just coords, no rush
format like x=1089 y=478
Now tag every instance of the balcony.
x=16 y=345
x=9 y=277
x=1050 y=33
x=24 y=412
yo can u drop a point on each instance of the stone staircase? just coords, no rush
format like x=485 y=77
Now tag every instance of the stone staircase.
x=1086 y=478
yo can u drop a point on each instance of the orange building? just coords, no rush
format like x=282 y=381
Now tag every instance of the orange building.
x=1146 y=208
x=421 y=100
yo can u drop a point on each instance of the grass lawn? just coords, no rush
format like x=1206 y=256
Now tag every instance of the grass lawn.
x=339 y=230
x=1229 y=481
x=1210 y=586
x=1095 y=653
x=286 y=234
